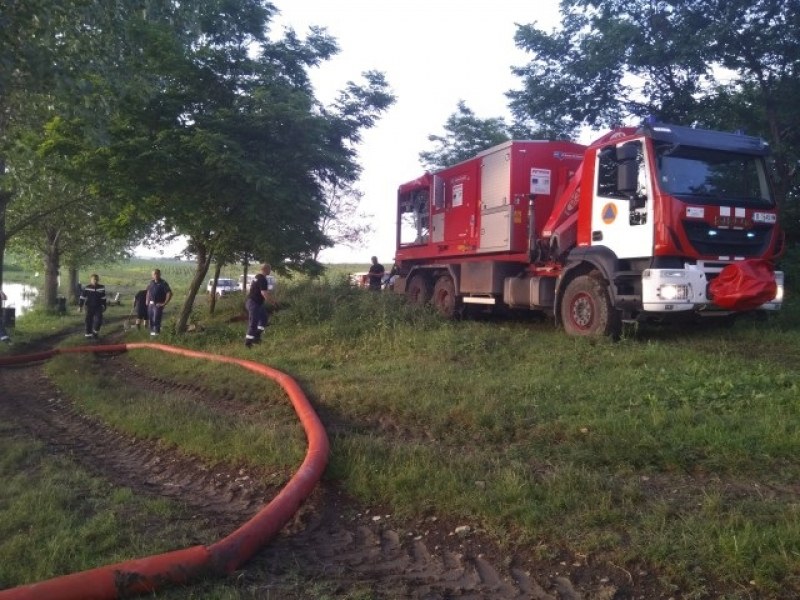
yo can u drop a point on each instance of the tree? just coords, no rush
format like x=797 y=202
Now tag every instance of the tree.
x=53 y=219
x=465 y=136
x=341 y=222
x=231 y=149
x=71 y=54
x=731 y=64
x=27 y=52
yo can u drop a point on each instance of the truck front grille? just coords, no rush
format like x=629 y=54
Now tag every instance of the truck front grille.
x=708 y=240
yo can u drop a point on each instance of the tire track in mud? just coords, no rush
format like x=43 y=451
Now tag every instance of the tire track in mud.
x=328 y=539
x=221 y=495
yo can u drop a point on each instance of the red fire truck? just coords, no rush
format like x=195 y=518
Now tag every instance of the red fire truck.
x=659 y=221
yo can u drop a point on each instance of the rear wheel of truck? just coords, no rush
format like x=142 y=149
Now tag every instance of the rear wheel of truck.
x=444 y=297
x=418 y=290
x=586 y=308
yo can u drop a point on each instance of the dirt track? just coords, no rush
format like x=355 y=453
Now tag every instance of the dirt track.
x=331 y=539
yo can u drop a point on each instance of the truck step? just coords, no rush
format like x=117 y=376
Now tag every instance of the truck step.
x=627 y=275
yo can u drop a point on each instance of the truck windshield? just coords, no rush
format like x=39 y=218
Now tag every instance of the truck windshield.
x=708 y=176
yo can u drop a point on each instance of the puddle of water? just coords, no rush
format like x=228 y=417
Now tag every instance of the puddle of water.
x=20 y=296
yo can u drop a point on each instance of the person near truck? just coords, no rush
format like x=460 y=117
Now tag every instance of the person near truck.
x=376 y=272
x=158 y=296
x=4 y=337
x=258 y=300
x=93 y=299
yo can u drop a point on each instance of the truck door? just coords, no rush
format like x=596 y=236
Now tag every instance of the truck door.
x=622 y=219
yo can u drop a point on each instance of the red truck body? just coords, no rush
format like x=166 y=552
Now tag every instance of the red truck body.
x=637 y=225
x=481 y=206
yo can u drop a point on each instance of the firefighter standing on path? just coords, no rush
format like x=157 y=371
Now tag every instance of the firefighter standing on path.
x=93 y=298
x=258 y=316
x=158 y=296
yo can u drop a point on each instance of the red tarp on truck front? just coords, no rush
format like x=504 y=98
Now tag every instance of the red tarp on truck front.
x=744 y=285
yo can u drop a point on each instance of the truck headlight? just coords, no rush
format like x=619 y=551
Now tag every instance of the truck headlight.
x=779 y=281
x=674 y=291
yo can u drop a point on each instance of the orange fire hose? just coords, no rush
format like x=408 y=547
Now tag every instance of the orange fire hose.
x=144 y=575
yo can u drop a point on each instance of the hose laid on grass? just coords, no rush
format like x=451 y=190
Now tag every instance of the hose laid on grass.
x=145 y=575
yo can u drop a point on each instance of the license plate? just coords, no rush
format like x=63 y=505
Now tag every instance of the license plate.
x=728 y=221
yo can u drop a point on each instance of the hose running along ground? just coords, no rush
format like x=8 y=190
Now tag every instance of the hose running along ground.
x=145 y=575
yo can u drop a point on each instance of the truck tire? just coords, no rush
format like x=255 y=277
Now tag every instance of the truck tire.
x=586 y=308
x=418 y=290
x=444 y=297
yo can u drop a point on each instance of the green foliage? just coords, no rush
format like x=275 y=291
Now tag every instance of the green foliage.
x=229 y=147
x=465 y=136
x=347 y=310
x=177 y=119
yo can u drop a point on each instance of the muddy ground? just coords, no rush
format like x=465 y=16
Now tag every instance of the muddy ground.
x=332 y=539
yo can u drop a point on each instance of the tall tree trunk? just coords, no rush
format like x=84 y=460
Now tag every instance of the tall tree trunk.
x=245 y=265
x=203 y=263
x=72 y=294
x=3 y=202
x=52 y=257
x=212 y=301
x=5 y=199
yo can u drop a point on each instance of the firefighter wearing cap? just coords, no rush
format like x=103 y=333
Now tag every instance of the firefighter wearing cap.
x=93 y=299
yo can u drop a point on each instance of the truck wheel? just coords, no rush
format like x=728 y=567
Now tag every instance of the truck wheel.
x=444 y=297
x=418 y=291
x=586 y=308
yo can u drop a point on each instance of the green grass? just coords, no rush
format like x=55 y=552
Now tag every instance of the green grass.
x=674 y=448
x=55 y=518
x=269 y=435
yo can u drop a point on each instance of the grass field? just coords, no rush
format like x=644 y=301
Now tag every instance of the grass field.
x=673 y=448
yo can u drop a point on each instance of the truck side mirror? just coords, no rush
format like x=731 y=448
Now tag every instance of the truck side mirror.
x=628 y=168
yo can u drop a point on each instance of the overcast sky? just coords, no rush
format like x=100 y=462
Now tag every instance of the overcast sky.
x=433 y=53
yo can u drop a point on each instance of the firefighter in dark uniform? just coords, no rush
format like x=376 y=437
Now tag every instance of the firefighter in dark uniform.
x=158 y=296
x=376 y=273
x=140 y=306
x=93 y=299
x=257 y=310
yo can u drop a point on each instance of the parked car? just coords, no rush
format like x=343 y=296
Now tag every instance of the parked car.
x=224 y=287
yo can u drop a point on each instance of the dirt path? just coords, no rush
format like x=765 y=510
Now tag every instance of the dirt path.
x=331 y=539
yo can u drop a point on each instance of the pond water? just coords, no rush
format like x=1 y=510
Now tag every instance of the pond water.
x=20 y=296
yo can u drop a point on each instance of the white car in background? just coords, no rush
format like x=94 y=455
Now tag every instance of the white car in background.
x=224 y=287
